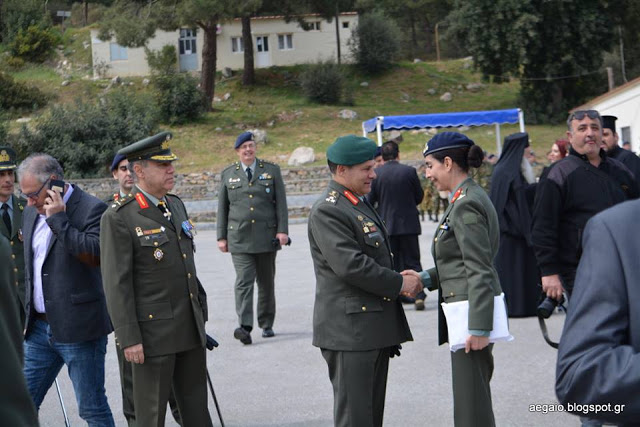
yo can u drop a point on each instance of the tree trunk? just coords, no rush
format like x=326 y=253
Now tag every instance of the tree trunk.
x=1 y=22
x=338 y=31
x=414 y=37
x=248 y=74
x=85 y=18
x=208 y=74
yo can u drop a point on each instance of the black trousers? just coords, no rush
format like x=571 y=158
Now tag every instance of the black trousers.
x=406 y=255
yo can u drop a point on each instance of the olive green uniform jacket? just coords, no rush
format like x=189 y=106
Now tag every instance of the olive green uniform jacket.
x=356 y=304
x=464 y=247
x=17 y=248
x=149 y=276
x=16 y=405
x=251 y=213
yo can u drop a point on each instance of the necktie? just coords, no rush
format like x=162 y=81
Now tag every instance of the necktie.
x=165 y=210
x=5 y=216
x=249 y=174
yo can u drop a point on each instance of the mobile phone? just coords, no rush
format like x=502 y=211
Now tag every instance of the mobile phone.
x=57 y=186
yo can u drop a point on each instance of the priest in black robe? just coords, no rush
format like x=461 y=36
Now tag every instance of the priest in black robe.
x=512 y=193
x=610 y=139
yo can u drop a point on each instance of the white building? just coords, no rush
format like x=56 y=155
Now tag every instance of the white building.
x=624 y=103
x=275 y=42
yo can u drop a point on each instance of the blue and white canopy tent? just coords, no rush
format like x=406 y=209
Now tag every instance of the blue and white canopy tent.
x=445 y=120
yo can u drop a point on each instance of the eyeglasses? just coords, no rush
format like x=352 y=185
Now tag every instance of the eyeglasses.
x=580 y=114
x=34 y=195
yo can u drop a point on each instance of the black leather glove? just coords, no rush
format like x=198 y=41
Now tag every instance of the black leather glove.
x=394 y=351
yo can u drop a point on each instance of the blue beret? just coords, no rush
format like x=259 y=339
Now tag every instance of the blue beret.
x=351 y=150
x=244 y=137
x=116 y=161
x=445 y=141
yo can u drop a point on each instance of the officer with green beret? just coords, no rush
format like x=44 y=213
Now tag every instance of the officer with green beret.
x=156 y=306
x=11 y=208
x=253 y=223
x=358 y=319
x=16 y=405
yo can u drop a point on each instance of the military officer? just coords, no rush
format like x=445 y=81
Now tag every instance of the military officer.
x=11 y=208
x=152 y=291
x=121 y=173
x=464 y=247
x=358 y=320
x=16 y=405
x=252 y=225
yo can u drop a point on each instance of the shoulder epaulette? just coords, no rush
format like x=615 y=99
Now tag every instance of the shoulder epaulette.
x=117 y=204
x=174 y=196
x=235 y=165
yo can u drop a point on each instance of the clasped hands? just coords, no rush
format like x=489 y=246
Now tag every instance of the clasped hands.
x=411 y=284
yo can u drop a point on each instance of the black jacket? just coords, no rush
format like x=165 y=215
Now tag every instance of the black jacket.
x=571 y=193
x=397 y=191
x=627 y=158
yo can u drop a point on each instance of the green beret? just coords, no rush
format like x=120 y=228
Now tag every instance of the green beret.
x=155 y=147
x=351 y=150
x=7 y=158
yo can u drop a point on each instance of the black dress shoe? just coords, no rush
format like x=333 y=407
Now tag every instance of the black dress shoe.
x=268 y=333
x=407 y=300
x=243 y=335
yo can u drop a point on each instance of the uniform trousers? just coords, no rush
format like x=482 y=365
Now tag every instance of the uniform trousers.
x=186 y=374
x=471 y=373
x=359 y=380
x=260 y=268
x=126 y=386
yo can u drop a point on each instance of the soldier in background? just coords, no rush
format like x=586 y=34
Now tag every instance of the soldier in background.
x=253 y=223
x=11 y=208
x=121 y=173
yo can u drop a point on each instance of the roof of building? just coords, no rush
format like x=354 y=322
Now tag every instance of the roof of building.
x=607 y=95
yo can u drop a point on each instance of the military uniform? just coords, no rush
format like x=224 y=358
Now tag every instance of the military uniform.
x=464 y=246
x=8 y=162
x=250 y=213
x=148 y=269
x=358 y=320
x=16 y=405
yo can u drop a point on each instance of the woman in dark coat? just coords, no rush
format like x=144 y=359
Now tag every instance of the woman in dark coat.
x=512 y=192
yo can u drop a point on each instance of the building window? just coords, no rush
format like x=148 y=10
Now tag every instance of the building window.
x=237 y=44
x=118 y=53
x=262 y=43
x=315 y=26
x=285 y=41
x=187 y=41
x=625 y=133
x=345 y=24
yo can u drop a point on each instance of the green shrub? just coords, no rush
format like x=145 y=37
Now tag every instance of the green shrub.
x=322 y=82
x=19 y=96
x=35 y=44
x=14 y=63
x=164 y=61
x=84 y=136
x=375 y=43
x=20 y=15
x=178 y=97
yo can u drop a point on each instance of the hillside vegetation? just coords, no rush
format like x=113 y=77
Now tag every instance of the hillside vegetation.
x=276 y=104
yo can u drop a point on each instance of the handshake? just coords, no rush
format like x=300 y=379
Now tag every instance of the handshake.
x=411 y=283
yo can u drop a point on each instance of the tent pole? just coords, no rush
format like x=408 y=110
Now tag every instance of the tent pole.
x=498 y=139
x=379 y=121
x=364 y=131
x=521 y=119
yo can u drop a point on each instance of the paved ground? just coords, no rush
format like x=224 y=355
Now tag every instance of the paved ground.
x=283 y=381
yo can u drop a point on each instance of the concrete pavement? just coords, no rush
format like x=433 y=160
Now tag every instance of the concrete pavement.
x=283 y=381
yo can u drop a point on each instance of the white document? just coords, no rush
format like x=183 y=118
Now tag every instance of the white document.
x=457 y=314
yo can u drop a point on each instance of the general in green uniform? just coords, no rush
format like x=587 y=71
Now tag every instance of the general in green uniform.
x=358 y=320
x=149 y=275
x=464 y=247
x=253 y=224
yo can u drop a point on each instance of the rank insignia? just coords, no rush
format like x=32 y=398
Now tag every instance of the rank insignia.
x=142 y=201
x=20 y=237
x=360 y=218
x=158 y=254
x=457 y=195
x=353 y=199
x=139 y=232
x=332 y=197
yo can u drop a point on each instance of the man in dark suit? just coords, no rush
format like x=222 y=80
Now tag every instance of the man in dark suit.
x=397 y=191
x=153 y=296
x=598 y=360
x=67 y=319
x=358 y=321
x=11 y=208
x=16 y=406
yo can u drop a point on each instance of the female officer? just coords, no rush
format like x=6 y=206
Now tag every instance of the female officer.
x=464 y=246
